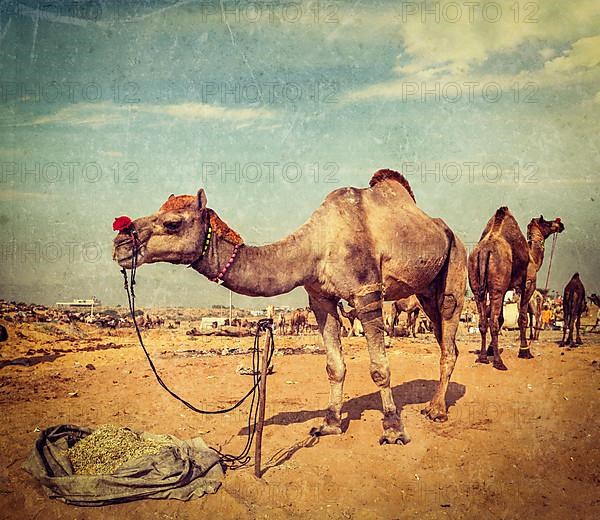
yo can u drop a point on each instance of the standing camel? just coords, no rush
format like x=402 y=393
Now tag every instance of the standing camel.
x=595 y=299
x=299 y=321
x=355 y=324
x=573 y=307
x=349 y=315
x=410 y=306
x=534 y=310
x=504 y=260
x=370 y=227
x=281 y=323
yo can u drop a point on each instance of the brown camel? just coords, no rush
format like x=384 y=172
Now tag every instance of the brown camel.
x=351 y=316
x=299 y=321
x=534 y=309
x=573 y=307
x=412 y=308
x=504 y=260
x=595 y=299
x=369 y=229
x=281 y=324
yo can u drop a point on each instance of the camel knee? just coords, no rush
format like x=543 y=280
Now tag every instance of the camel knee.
x=336 y=371
x=449 y=305
x=380 y=374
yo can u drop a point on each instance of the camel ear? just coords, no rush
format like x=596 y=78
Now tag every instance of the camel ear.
x=542 y=218
x=201 y=199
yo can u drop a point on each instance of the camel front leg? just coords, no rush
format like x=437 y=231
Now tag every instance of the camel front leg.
x=530 y=315
x=414 y=317
x=564 y=328
x=369 y=307
x=526 y=293
x=325 y=310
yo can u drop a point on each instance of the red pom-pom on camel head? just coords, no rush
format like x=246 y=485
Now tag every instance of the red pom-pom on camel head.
x=122 y=223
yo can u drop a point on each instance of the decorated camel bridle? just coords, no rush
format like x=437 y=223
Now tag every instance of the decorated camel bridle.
x=215 y=226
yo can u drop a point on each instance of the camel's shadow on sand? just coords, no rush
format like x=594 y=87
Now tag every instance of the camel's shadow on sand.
x=418 y=391
x=412 y=392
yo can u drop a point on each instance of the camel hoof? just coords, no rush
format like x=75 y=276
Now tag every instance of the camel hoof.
x=525 y=354
x=325 y=429
x=499 y=365
x=482 y=360
x=394 y=437
x=579 y=342
x=434 y=415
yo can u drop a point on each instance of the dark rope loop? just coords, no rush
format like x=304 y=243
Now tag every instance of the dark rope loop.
x=264 y=325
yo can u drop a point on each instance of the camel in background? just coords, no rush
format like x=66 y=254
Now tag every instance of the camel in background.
x=412 y=308
x=281 y=323
x=534 y=310
x=504 y=260
x=370 y=228
x=356 y=328
x=595 y=299
x=299 y=321
x=574 y=306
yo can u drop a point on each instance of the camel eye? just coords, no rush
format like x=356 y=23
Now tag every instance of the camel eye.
x=172 y=225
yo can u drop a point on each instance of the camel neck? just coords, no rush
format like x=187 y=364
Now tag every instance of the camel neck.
x=536 y=240
x=267 y=270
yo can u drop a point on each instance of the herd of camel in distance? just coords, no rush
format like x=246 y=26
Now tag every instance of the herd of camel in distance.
x=371 y=228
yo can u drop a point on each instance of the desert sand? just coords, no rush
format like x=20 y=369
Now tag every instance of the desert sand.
x=521 y=443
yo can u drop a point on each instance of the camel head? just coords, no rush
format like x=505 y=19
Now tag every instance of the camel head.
x=176 y=233
x=546 y=227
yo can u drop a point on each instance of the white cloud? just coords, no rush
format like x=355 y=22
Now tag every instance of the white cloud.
x=102 y=114
x=584 y=54
x=12 y=195
x=195 y=111
x=445 y=51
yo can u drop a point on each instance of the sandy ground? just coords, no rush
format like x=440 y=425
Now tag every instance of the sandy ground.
x=522 y=443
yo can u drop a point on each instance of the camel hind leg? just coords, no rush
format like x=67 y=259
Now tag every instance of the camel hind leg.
x=577 y=326
x=483 y=326
x=443 y=303
x=578 y=306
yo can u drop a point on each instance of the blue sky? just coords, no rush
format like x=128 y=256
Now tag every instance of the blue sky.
x=147 y=98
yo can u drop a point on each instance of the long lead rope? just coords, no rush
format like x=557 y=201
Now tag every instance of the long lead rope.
x=554 y=239
x=230 y=461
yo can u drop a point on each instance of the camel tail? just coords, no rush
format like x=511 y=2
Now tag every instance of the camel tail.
x=482 y=270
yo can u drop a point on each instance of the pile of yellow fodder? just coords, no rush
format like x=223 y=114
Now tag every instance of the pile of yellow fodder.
x=107 y=448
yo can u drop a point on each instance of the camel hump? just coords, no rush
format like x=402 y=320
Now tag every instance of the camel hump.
x=385 y=174
x=575 y=275
x=501 y=213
